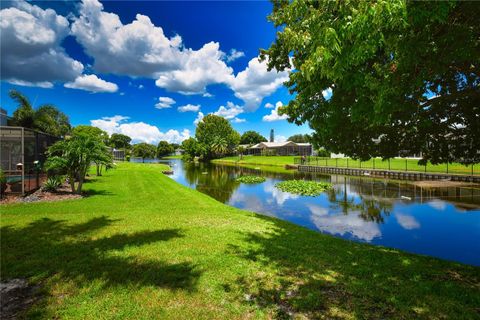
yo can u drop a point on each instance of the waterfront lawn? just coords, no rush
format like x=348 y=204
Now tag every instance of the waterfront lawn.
x=400 y=164
x=258 y=160
x=141 y=246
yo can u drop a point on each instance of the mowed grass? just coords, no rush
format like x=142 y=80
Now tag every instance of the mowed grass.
x=258 y=160
x=400 y=164
x=142 y=246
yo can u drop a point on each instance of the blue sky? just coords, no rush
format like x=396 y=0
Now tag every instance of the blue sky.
x=146 y=69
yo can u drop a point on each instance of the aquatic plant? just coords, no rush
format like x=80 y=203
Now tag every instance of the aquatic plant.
x=303 y=187
x=250 y=179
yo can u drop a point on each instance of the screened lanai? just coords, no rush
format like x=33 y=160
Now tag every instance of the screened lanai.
x=22 y=154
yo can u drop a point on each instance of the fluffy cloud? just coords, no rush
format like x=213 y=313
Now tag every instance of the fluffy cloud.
x=200 y=68
x=199 y=118
x=92 y=83
x=238 y=120
x=141 y=49
x=164 y=103
x=256 y=82
x=136 y=49
x=268 y=105
x=234 y=55
x=189 y=108
x=230 y=111
x=279 y=138
x=274 y=116
x=30 y=46
x=139 y=131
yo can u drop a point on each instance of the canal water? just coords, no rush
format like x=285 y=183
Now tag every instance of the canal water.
x=440 y=222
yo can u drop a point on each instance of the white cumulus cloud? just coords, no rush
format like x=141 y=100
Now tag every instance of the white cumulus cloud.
x=164 y=103
x=31 y=46
x=274 y=115
x=92 y=83
x=256 y=82
x=199 y=118
x=268 y=105
x=139 y=131
x=189 y=108
x=230 y=111
x=234 y=55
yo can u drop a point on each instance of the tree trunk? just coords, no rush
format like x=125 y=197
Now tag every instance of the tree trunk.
x=99 y=170
x=79 y=187
x=72 y=183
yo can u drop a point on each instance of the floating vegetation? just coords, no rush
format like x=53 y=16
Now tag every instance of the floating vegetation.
x=303 y=187
x=250 y=179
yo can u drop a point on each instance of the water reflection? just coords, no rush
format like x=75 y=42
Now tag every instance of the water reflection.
x=442 y=222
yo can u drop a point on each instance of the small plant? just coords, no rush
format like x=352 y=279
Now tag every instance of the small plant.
x=304 y=188
x=250 y=179
x=52 y=184
x=3 y=183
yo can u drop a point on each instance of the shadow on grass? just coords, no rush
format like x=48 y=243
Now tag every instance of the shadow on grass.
x=93 y=192
x=52 y=247
x=317 y=276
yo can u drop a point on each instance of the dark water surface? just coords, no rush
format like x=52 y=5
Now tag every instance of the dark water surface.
x=440 y=222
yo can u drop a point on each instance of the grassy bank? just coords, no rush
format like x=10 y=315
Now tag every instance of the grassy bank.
x=142 y=246
x=393 y=164
x=173 y=157
x=258 y=160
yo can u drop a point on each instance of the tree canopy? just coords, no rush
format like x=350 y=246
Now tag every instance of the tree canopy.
x=215 y=137
x=46 y=118
x=91 y=131
x=383 y=78
x=144 y=150
x=299 y=138
x=164 y=149
x=252 y=137
x=118 y=140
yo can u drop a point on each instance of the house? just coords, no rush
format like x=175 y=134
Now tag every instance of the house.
x=287 y=148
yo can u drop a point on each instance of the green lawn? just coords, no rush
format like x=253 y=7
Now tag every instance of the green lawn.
x=142 y=246
x=258 y=160
x=395 y=164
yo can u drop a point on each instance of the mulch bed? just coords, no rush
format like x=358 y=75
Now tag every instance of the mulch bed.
x=62 y=193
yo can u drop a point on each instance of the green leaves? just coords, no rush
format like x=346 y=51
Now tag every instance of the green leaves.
x=250 y=179
x=383 y=60
x=303 y=187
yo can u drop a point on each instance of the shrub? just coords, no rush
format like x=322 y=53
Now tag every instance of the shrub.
x=304 y=188
x=250 y=179
x=3 y=183
x=52 y=184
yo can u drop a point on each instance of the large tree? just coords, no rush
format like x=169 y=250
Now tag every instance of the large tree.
x=144 y=150
x=91 y=131
x=299 y=138
x=252 y=137
x=383 y=78
x=118 y=140
x=46 y=118
x=164 y=149
x=216 y=137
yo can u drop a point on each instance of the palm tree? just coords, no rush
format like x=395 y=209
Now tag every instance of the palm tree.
x=46 y=118
x=73 y=157
x=219 y=146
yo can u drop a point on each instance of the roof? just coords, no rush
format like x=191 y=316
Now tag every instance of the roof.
x=262 y=145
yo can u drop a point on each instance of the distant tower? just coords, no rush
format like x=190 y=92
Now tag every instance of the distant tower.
x=272 y=136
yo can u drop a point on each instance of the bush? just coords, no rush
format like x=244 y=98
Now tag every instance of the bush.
x=3 y=183
x=304 y=188
x=250 y=179
x=52 y=184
